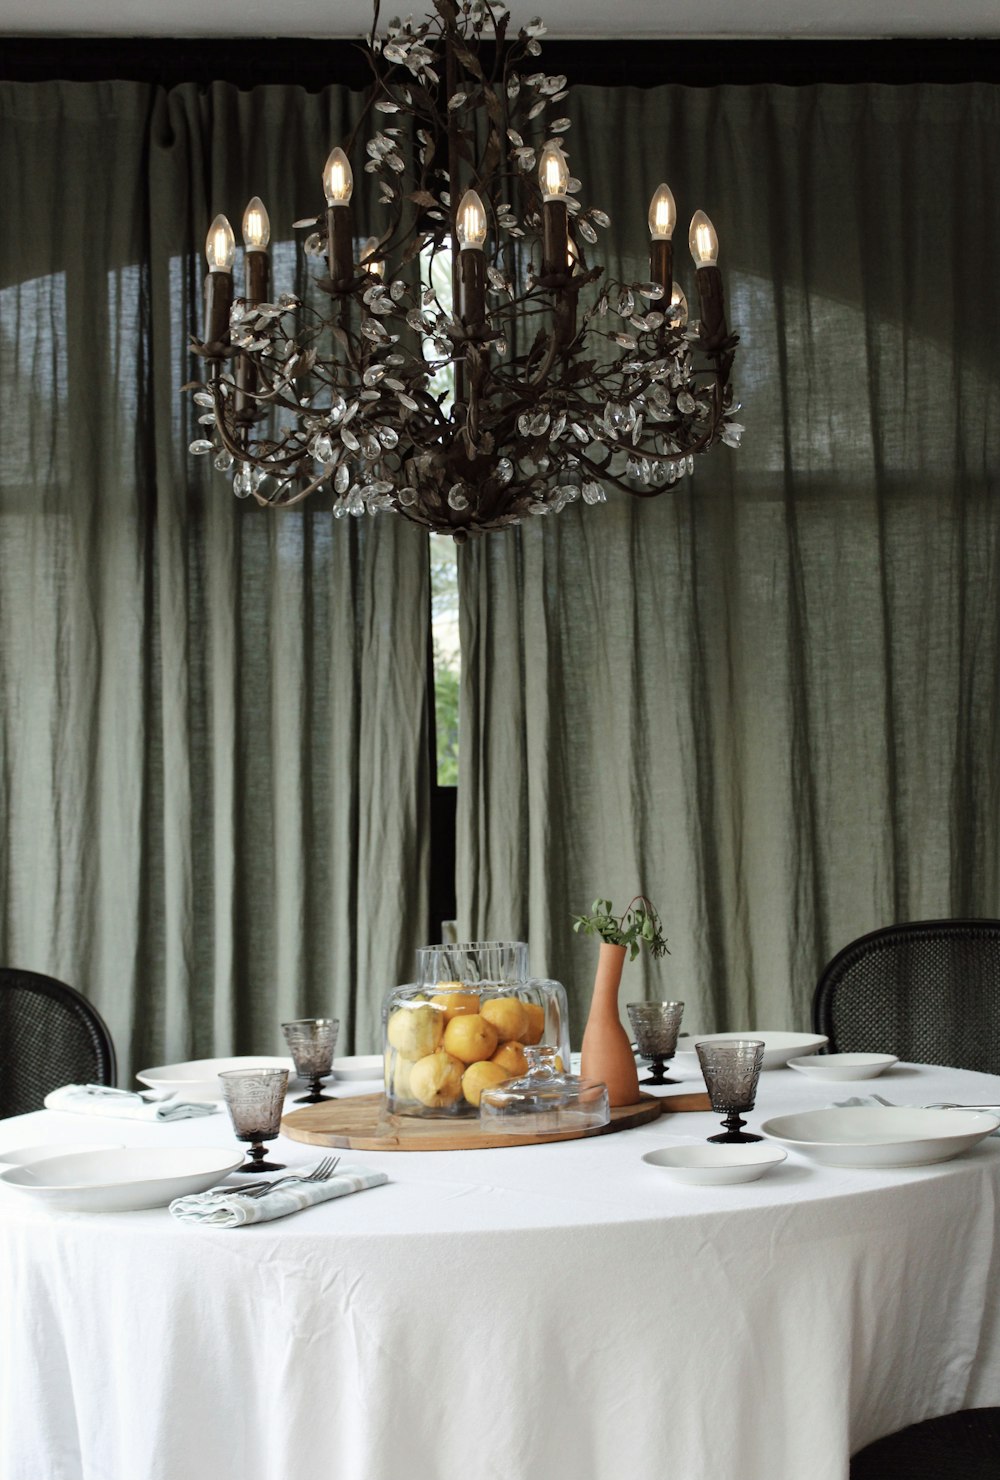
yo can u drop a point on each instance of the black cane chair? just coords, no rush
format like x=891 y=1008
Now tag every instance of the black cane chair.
x=960 y=1446
x=928 y=991
x=49 y=1035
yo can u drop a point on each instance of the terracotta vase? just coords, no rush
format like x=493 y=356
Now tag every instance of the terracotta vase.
x=606 y=1051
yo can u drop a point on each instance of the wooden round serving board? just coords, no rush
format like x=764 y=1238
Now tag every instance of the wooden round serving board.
x=355 y=1122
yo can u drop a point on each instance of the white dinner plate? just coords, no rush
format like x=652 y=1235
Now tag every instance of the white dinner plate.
x=198 y=1079
x=778 y=1047
x=123 y=1179
x=881 y=1136
x=844 y=1066
x=715 y=1165
x=361 y=1066
x=24 y=1156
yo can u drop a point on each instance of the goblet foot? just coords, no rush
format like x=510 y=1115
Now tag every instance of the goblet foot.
x=658 y=1065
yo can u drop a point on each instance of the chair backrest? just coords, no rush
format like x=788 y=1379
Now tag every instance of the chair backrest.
x=927 y=991
x=49 y=1035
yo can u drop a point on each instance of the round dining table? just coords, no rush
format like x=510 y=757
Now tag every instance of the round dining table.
x=551 y=1312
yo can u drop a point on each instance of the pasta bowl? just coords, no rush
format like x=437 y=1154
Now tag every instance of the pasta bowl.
x=881 y=1135
x=198 y=1079
x=836 y=1067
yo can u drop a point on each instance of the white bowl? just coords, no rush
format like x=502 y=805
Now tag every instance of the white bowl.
x=715 y=1165
x=124 y=1179
x=881 y=1135
x=844 y=1066
x=778 y=1047
x=198 y=1079
x=25 y=1156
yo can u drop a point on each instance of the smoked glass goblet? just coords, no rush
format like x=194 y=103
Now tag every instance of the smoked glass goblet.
x=656 y=1026
x=255 y=1099
x=311 y=1042
x=731 y=1069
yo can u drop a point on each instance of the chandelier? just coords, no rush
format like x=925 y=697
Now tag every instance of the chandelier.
x=470 y=363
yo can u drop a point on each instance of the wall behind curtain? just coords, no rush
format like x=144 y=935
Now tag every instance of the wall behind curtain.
x=206 y=825
x=768 y=699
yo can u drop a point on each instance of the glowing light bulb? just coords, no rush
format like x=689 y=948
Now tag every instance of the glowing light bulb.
x=572 y=254
x=662 y=214
x=220 y=246
x=553 y=173
x=678 y=306
x=338 y=179
x=470 y=223
x=256 y=226
x=367 y=253
x=703 y=241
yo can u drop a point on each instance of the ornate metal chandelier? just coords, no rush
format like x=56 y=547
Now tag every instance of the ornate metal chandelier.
x=470 y=364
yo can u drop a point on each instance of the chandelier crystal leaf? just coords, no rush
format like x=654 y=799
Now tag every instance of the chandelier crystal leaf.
x=467 y=364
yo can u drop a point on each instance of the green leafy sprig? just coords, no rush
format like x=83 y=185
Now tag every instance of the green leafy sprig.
x=638 y=926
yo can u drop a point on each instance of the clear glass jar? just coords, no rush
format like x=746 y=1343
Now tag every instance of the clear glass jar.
x=545 y=1101
x=466 y=1025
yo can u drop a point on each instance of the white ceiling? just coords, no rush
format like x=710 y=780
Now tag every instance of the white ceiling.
x=628 y=20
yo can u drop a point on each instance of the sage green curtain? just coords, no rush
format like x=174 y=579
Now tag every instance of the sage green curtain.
x=212 y=717
x=767 y=699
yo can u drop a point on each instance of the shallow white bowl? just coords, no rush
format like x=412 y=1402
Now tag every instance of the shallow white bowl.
x=124 y=1179
x=778 y=1047
x=24 y=1156
x=844 y=1066
x=198 y=1079
x=715 y=1165
x=881 y=1136
x=361 y=1066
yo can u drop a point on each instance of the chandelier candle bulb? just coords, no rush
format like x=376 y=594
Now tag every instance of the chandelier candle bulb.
x=662 y=220
x=256 y=235
x=704 y=244
x=553 y=177
x=376 y=266
x=220 y=250
x=338 y=185
x=470 y=228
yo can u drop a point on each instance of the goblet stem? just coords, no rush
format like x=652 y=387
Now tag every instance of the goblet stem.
x=257 y=1163
x=733 y=1132
x=658 y=1064
x=315 y=1094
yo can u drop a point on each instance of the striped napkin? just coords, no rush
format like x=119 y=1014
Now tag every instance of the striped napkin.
x=230 y=1210
x=122 y=1104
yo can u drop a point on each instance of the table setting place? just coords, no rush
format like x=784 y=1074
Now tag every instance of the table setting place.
x=476 y=1056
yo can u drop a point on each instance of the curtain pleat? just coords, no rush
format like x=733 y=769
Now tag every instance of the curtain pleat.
x=213 y=717
x=767 y=699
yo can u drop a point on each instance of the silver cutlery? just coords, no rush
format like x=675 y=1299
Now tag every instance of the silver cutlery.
x=320 y=1173
x=940 y=1105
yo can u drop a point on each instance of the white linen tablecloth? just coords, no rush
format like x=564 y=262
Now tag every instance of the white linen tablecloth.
x=559 y=1311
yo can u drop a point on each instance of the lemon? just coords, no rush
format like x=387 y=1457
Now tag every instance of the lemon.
x=536 y=1023
x=470 y=1038
x=436 y=1080
x=480 y=1076
x=508 y=1016
x=397 y=1076
x=415 y=1032
x=455 y=1002
x=511 y=1056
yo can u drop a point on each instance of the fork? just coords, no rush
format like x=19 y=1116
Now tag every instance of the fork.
x=939 y=1105
x=320 y=1173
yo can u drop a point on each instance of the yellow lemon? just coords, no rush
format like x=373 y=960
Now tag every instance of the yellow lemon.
x=455 y=1002
x=436 y=1080
x=508 y=1016
x=397 y=1076
x=511 y=1056
x=480 y=1076
x=536 y=1023
x=470 y=1038
x=415 y=1032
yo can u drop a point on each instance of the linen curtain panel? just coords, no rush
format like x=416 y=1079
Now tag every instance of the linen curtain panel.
x=212 y=717
x=767 y=699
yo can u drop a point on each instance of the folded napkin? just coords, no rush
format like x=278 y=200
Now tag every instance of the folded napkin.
x=230 y=1210
x=121 y=1104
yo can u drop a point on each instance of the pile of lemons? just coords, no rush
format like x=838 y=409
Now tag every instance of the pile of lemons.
x=452 y=1046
